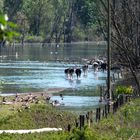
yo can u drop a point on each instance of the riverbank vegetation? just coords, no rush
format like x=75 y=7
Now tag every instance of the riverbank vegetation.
x=31 y=115
x=124 y=124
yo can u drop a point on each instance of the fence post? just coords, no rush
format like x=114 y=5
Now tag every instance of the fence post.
x=119 y=101
x=99 y=113
x=82 y=121
x=76 y=123
x=114 y=107
x=106 y=111
x=91 y=116
x=69 y=127
x=88 y=118
x=96 y=114
x=103 y=113
x=108 y=108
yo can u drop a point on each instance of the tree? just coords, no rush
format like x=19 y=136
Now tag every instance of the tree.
x=1 y=6
x=11 y=7
x=23 y=25
x=125 y=34
x=34 y=10
x=89 y=14
x=85 y=11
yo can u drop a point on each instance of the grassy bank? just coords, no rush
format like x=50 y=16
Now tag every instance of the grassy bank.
x=34 y=115
x=123 y=125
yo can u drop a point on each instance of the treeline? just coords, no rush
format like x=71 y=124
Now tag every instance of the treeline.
x=54 y=20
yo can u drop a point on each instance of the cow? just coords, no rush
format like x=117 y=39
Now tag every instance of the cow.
x=78 y=72
x=95 y=66
x=103 y=66
x=69 y=72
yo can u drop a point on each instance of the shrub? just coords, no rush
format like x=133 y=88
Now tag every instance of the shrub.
x=33 y=39
x=124 y=90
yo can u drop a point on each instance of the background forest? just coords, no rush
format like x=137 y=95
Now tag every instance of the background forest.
x=54 y=20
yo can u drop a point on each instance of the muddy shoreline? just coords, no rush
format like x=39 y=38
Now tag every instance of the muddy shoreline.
x=47 y=92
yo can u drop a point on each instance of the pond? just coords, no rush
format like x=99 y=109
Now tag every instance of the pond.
x=33 y=68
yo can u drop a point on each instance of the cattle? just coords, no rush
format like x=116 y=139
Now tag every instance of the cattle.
x=103 y=66
x=78 y=72
x=69 y=72
x=95 y=66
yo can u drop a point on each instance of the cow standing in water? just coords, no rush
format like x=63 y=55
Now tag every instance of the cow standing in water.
x=95 y=66
x=69 y=73
x=78 y=72
x=85 y=69
x=104 y=66
x=66 y=71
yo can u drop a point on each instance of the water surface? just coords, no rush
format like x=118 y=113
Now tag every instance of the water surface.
x=35 y=68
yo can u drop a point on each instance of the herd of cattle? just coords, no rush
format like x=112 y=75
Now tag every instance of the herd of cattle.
x=96 y=66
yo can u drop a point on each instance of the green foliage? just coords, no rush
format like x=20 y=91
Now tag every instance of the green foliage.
x=83 y=134
x=33 y=39
x=122 y=125
x=36 y=136
x=124 y=90
x=85 y=11
x=6 y=29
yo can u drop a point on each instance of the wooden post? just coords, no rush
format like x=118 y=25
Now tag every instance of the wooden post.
x=91 y=116
x=122 y=101
x=76 y=123
x=88 y=118
x=119 y=101
x=69 y=127
x=103 y=113
x=108 y=108
x=82 y=121
x=96 y=114
x=99 y=113
x=114 y=107
x=106 y=111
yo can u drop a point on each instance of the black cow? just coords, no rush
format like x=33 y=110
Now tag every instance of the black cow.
x=69 y=72
x=78 y=72
x=66 y=71
x=103 y=66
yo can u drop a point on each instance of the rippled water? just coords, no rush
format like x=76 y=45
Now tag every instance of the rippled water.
x=35 y=68
x=40 y=76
